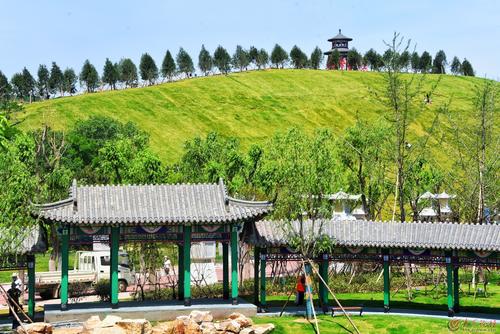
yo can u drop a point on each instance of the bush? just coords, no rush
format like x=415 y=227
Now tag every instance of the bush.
x=103 y=290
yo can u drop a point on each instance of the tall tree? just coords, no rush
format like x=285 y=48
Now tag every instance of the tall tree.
x=425 y=62
x=456 y=66
x=439 y=63
x=316 y=58
x=354 y=59
x=110 y=74
x=467 y=69
x=184 y=62
x=262 y=59
x=298 y=58
x=205 y=61
x=404 y=60
x=371 y=57
x=168 y=66
x=415 y=62
x=333 y=61
x=279 y=57
x=89 y=78
x=56 y=79
x=30 y=84
x=43 y=82
x=253 y=54
x=222 y=60
x=18 y=86
x=241 y=59
x=128 y=72
x=69 y=82
x=148 y=69
x=5 y=87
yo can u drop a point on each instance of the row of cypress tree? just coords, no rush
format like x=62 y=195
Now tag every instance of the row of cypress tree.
x=125 y=73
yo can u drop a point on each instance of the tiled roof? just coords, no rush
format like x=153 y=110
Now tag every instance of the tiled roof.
x=340 y=36
x=151 y=204
x=360 y=233
x=32 y=239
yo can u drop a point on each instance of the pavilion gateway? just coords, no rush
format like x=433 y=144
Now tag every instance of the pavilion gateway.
x=179 y=214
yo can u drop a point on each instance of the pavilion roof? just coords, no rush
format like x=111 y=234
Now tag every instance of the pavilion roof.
x=361 y=233
x=170 y=204
x=340 y=36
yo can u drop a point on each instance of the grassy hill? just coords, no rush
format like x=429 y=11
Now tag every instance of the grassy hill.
x=251 y=105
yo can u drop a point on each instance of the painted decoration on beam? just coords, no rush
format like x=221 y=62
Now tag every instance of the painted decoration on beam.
x=90 y=229
x=482 y=254
x=355 y=250
x=210 y=228
x=151 y=229
x=416 y=251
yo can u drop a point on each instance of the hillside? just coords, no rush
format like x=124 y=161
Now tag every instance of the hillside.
x=251 y=105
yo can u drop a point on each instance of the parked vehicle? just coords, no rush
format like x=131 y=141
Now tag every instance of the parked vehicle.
x=90 y=267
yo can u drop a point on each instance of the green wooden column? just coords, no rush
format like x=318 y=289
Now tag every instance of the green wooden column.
x=323 y=290
x=263 y=278
x=449 y=283
x=64 y=268
x=225 y=270
x=187 y=265
x=234 y=264
x=256 y=259
x=180 y=273
x=31 y=286
x=387 y=282
x=113 y=272
x=456 y=290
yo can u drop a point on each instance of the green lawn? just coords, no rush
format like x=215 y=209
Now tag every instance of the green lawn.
x=375 y=324
x=422 y=300
x=251 y=105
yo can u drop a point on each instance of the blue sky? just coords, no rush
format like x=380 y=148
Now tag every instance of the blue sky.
x=68 y=32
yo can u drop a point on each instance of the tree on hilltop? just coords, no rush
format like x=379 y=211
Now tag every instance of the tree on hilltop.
x=168 y=66
x=148 y=69
x=333 y=60
x=205 y=62
x=89 y=78
x=222 y=60
x=253 y=55
x=241 y=59
x=43 y=82
x=69 y=81
x=425 y=62
x=354 y=59
x=128 y=72
x=110 y=74
x=184 y=62
x=456 y=66
x=56 y=79
x=298 y=58
x=5 y=87
x=279 y=56
x=316 y=58
x=262 y=59
x=415 y=62
x=404 y=60
x=372 y=60
x=467 y=69
x=439 y=63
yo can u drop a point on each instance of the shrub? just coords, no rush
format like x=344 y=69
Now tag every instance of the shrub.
x=103 y=290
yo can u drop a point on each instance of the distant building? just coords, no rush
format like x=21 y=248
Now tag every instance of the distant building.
x=340 y=43
x=438 y=207
x=344 y=207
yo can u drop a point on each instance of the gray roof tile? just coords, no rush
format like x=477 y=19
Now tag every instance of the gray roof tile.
x=151 y=204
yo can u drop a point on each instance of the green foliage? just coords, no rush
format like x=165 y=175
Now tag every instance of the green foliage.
x=373 y=59
x=262 y=59
x=23 y=85
x=56 y=81
x=110 y=74
x=89 y=78
x=298 y=58
x=43 y=83
x=69 y=83
x=128 y=72
x=253 y=55
x=439 y=63
x=467 y=69
x=222 y=60
x=205 y=62
x=148 y=69
x=316 y=58
x=333 y=61
x=5 y=88
x=241 y=59
x=103 y=290
x=184 y=62
x=279 y=57
x=425 y=62
x=404 y=60
x=354 y=59
x=456 y=66
x=415 y=62
x=168 y=66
